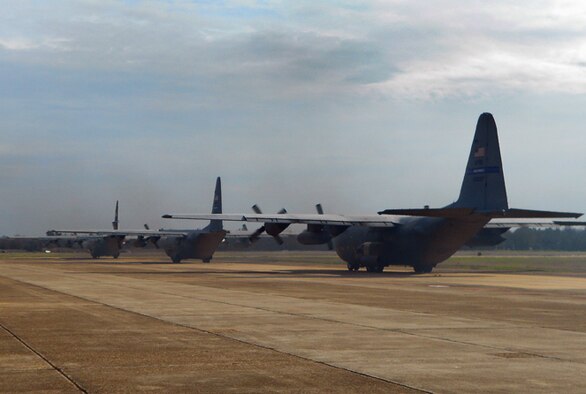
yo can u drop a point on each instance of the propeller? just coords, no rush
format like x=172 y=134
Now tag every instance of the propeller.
x=320 y=211
x=115 y=222
x=256 y=235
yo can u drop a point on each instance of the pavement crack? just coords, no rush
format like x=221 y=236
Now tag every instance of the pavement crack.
x=45 y=359
x=396 y=330
x=201 y=330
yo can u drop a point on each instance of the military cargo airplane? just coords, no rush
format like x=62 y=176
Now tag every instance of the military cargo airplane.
x=96 y=245
x=420 y=238
x=177 y=244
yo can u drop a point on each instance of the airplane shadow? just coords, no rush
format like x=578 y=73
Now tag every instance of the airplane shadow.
x=284 y=273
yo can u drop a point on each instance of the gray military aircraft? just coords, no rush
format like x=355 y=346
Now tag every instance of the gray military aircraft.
x=421 y=238
x=177 y=244
x=96 y=245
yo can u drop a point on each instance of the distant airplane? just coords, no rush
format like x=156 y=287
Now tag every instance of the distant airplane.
x=98 y=246
x=178 y=244
x=421 y=238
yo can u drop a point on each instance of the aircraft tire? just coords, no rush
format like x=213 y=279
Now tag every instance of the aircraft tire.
x=423 y=269
x=207 y=260
x=375 y=268
x=353 y=267
x=116 y=255
x=176 y=259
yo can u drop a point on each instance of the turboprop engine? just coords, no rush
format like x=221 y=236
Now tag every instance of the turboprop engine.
x=272 y=229
x=169 y=242
x=317 y=234
x=313 y=237
x=90 y=243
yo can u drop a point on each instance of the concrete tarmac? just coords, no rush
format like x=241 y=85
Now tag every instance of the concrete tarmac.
x=76 y=324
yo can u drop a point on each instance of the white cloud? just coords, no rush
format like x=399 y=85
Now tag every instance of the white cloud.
x=345 y=102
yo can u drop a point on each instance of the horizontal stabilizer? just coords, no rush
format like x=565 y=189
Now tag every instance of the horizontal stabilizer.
x=430 y=212
x=514 y=213
x=569 y=223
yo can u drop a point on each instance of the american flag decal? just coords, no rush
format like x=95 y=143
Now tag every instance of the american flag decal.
x=480 y=152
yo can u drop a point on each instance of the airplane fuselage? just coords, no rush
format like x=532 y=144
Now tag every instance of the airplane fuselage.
x=196 y=245
x=418 y=242
x=103 y=246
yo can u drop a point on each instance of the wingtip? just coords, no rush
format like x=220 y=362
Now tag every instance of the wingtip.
x=167 y=216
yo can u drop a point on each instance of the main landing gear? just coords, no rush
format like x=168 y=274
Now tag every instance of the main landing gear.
x=423 y=269
x=369 y=268
x=375 y=268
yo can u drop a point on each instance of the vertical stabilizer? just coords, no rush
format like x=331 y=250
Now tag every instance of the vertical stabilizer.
x=216 y=225
x=115 y=222
x=483 y=187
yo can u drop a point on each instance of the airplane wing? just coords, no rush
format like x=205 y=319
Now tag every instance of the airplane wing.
x=528 y=223
x=321 y=219
x=144 y=233
x=382 y=220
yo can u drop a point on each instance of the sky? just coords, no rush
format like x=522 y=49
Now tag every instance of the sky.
x=358 y=105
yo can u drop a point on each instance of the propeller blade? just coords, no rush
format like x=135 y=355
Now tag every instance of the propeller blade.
x=256 y=234
x=320 y=211
x=115 y=222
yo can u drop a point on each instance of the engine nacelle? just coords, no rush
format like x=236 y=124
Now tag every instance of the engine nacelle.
x=275 y=229
x=139 y=242
x=169 y=242
x=371 y=249
x=307 y=237
x=90 y=243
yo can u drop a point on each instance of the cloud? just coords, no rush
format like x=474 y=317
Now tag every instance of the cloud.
x=347 y=103
x=404 y=48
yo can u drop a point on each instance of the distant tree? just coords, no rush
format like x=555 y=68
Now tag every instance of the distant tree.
x=569 y=239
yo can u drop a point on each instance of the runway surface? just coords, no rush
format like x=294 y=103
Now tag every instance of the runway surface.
x=74 y=324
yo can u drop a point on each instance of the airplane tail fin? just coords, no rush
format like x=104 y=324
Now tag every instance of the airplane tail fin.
x=483 y=187
x=115 y=222
x=215 y=224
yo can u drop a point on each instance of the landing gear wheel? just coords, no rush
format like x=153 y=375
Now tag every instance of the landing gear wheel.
x=95 y=256
x=176 y=259
x=116 y=255
x=423 y=269
x=207 y=260
x=353 y=267
x=375 y=268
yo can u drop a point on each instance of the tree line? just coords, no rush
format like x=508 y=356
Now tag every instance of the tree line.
x=570 y=239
